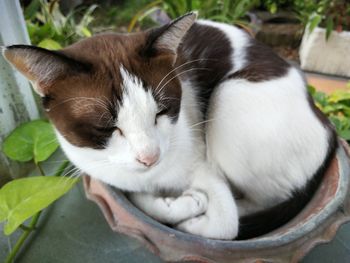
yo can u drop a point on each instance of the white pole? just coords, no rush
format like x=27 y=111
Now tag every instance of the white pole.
x=17 y=103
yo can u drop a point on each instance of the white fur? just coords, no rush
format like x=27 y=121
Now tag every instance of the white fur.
x=278 y=141
x=238 y=40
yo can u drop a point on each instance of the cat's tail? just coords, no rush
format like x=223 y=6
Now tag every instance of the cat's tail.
x=263 y=222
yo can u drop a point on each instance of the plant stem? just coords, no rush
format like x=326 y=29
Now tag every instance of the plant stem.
x=40 y=169
x=23 y=238
x=32 y=225
x=24 y=227
x=61 y=169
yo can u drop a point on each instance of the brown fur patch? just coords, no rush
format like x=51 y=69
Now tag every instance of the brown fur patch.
x=84 y=105
x=263 y=64
x=207 y=52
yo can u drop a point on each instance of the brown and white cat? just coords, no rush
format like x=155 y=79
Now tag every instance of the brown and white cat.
x=190 y=108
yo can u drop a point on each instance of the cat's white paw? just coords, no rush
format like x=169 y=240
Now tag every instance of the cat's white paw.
x=203 y=226
x=169 y=200
x=200 y=204
x=190 y=204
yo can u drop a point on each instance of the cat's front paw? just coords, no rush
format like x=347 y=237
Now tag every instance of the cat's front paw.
x=190 y=204
x=209 y=228
x=198 y=201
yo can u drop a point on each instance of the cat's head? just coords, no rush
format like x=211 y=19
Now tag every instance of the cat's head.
x=114 y=99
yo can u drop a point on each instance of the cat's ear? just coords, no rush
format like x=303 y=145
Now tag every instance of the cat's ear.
x=41 y=66
x=168 y=37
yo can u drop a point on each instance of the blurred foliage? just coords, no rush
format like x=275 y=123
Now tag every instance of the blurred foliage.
x=336 y=106
x=49 y=28
x=218 y=10
x=329 y=14
x=118 y=16
x=274 y=5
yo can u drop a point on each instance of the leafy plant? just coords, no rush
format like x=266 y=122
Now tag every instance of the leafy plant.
x=49 y=28
x=273 y=5
x=31 y=140
x=113 y=16
x=337 y=107
x=25 y=198
x=217 y=10
x=329 y=14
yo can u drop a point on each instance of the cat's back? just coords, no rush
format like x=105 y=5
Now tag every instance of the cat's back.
x=264 y=131
x=213 y=52
x=227 y=49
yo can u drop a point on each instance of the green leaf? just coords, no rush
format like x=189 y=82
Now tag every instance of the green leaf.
x=339 y=95
x=86 y=32
x=32 y=140
x=32 y=9
x=336 y=122
x=49 y=44
x=329 y=27
x=22 y=198
x=273 y=8
x=321 y=98
x=314 y=21
x=311 y=89
x=345 y=134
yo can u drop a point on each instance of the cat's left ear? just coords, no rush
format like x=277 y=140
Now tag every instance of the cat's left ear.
x=167 y=38
x=41 y=66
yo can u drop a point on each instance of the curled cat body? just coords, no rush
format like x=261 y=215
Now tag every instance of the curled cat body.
x=183 y=115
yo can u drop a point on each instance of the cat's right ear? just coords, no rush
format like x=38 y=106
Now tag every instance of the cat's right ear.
x=166 y=39
x=41 y=66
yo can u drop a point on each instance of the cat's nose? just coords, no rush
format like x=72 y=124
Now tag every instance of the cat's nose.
x=148 y=159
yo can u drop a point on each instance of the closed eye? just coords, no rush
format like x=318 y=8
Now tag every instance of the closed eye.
x=160 y=113
x=108 y=130
x=103 y=129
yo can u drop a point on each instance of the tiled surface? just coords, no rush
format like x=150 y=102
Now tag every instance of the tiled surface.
x=325 y=83
x=73 y=230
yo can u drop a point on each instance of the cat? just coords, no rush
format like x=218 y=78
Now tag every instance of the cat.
x=183 y=117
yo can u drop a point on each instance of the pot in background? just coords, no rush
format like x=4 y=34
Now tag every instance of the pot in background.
x=330 y=56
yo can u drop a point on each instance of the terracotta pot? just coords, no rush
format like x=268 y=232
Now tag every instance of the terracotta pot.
x=317 y=223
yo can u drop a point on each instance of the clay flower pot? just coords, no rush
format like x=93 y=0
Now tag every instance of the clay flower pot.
x=316 y=223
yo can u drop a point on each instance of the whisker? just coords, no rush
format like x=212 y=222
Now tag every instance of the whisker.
x=77 y=171
x=201 y=122
x=181 y=73
x=178 y=67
